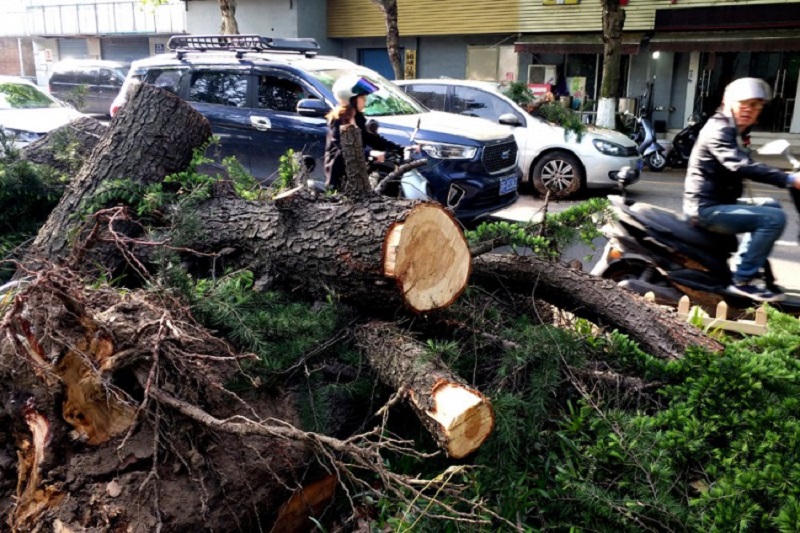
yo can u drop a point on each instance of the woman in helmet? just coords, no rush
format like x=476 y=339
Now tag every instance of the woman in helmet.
x=719 y=163
x=351 y=92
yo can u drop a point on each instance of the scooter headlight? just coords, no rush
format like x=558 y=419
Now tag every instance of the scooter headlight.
x=609 y=148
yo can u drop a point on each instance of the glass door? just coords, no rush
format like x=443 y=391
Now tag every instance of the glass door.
x=779 y=69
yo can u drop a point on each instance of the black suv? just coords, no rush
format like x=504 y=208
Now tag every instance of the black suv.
x=102 y=79
x=265 y=96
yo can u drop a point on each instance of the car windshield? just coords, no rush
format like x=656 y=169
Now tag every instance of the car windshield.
x=388 y=100
x=23 y=96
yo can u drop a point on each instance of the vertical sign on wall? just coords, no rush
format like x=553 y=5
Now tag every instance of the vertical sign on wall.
x=410 y=70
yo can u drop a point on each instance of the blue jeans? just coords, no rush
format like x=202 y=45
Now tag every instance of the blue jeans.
x=761 y=220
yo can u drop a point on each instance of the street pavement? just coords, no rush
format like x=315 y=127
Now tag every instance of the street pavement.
x=664 y=189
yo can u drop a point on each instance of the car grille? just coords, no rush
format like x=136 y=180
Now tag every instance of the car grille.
x=499 y=157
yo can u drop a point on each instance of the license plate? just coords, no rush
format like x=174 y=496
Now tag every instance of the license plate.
x=640 y=165
x=508 y=185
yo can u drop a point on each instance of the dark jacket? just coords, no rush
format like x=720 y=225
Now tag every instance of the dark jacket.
x=334 y=158
x=718 y=166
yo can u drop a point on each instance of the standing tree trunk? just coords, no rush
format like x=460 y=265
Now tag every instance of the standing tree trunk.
x=389 y=8
x=228 y=10
x=613 y=21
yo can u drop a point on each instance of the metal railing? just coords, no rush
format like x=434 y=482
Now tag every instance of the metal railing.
x=99 y=18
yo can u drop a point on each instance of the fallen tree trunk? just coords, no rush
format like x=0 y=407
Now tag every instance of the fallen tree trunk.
x=458 y=417
x=151 y=137
x=658 y=331
x=67 y=146
x=372 y=253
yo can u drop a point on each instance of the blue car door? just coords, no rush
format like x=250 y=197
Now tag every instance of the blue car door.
x=278 y=127
x=220 y=95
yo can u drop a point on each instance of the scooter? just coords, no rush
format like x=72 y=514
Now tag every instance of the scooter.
x=396 y=176
x=683 y=142
x=651 y=151
x=651 y=249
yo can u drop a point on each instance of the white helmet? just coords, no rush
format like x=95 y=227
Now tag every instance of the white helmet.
x=352 y=85
x=747 y=89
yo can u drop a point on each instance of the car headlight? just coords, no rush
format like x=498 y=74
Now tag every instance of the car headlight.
x=609 y=148
x=20 y=135
x=448 y=151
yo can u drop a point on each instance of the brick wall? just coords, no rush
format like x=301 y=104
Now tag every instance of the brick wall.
x=10 y=60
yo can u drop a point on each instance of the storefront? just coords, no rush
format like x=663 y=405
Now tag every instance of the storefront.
x=726 y=43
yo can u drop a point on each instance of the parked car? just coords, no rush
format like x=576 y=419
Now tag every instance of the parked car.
x=265 y=96
x=102 y=80
x=27 y=112
x=548 y=159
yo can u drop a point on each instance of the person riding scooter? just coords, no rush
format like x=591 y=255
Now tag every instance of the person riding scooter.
x=719 y=163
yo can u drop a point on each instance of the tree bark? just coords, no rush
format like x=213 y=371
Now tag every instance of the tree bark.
x=374 y=252
x=613 y=22
x=228 y=10
x=389 y=9
x=458 y=417
x=78 y=139
x=152 y=136
x=659 y=332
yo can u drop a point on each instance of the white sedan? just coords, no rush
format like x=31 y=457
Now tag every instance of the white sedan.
x=28 y=113
x=549 y=160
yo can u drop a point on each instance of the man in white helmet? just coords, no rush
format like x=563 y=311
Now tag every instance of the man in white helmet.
x=351 y=92
x=719 y=163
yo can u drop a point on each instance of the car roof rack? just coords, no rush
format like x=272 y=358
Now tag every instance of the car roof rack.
x=241 y=44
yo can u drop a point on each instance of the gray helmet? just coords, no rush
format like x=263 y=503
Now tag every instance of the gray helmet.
x=747 y=89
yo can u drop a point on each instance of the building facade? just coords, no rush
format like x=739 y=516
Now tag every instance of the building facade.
x=683 y=52
x=47 y=31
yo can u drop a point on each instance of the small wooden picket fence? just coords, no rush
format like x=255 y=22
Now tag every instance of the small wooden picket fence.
x=687 y=312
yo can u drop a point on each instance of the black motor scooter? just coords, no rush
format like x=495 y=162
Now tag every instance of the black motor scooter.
x=651 y=249
x=682 y=144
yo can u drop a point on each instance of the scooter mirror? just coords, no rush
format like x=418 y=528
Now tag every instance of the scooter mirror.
x=777 y=147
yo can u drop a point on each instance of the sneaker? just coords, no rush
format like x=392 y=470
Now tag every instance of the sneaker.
x=749 y=289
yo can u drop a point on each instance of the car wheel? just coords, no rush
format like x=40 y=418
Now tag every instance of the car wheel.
x=656 y=161
x=559 y=174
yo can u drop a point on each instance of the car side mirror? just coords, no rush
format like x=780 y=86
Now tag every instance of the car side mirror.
x=509 y=119
x=312 y=107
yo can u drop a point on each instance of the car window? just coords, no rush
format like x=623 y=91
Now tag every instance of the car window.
x=22 y=96
x=389 y=100
x=108 y=77
x=88 y=76
x=222 y=88
x=431 y=96
x=477 y=103
x=279 y=94
x=168 y=79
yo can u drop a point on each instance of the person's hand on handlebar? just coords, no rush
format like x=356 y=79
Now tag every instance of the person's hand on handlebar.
x=377 y=156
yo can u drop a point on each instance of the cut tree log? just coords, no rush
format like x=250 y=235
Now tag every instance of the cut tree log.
x=362 y=251
x=458 y=417
x=153 y=136
x=658 y=331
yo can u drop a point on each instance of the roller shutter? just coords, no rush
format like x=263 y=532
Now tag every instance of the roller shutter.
x=125 y=48
x=73 y=49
